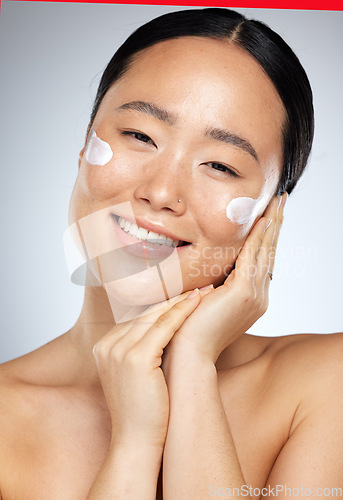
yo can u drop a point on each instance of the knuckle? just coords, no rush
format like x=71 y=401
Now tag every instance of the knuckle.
x=95 y=348
x=133 y=357
x=105 y=345
x=100 y=349
x=163 y=321
x=180 y=306
x=116 y=354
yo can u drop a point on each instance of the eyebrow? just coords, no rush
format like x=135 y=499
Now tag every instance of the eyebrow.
x=216 y=134
x=219 y=134
x=151 y=109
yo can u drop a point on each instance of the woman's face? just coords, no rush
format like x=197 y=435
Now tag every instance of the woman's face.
x=196 y=120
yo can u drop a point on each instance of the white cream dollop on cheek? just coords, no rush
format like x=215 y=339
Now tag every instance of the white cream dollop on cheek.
x=244 y=209
x=240 y=210
x=97 y=152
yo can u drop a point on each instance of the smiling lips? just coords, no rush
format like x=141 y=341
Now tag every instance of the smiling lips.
x=143 y=234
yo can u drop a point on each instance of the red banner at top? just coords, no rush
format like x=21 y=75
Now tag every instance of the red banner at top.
x=261 y=4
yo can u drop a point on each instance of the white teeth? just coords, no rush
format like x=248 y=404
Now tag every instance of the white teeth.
x=143 y=234
x=155 y=237
x=134 y=230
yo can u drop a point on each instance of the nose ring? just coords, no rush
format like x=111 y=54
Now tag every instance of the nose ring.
x=179 y=201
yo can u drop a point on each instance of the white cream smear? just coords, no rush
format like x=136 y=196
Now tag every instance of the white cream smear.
x=97 y=152
x=243 y=209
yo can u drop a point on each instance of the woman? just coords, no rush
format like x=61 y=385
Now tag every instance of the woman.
x=200 y=156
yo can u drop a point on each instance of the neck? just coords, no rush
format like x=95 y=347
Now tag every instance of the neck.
x=96 y=317
x=95 y=321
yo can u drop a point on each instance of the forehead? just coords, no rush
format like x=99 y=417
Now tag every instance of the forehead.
x=205 y=82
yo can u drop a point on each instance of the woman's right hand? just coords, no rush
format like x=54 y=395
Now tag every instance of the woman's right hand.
x=128 y=359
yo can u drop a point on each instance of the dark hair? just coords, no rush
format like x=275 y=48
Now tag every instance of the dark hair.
x=272 y=53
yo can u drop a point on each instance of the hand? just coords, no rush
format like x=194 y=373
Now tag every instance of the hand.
x=128 y=360
x=229 y=310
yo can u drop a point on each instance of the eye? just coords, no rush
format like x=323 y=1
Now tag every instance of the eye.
x=222 y=168
x=139 y=136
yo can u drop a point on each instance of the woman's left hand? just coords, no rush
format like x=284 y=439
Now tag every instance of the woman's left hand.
x=228 y=311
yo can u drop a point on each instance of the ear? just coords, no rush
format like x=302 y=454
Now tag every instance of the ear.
x=82 y=152
x=81 y=155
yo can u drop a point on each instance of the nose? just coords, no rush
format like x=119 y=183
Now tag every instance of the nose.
x=160 y=188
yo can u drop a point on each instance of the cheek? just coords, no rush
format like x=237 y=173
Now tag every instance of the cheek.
x=97 y=151
x=226 y=228
x=104 y=173
x=219 y=230
x=212 y=259
x=244 y=210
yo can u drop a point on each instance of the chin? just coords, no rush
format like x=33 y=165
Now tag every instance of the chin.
x=132 y=294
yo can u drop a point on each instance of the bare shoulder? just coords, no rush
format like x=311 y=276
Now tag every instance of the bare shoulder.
x=283 y=398
x=10 y=385
x=295 y=372
x=310 y=365
x=315 y=360
x=12 y=409
x=13 y=378
x=25 y=394
x=309 y=342
x=14 y=401
x=312 y=354
x=49 y=427
x=306 y=350
x=32 y=383
x=310 y=368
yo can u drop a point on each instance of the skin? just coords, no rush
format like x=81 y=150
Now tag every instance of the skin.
x=164 y=173
x=116 y=400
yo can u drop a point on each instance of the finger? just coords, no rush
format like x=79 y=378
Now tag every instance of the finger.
x=140 y=325
x=277 y=231
x=159 y=308
x=124 y=336
x=167 y=324
x=139 y=329
x=267 y=257
x=272 y=207
x=153 y=312
x=112 y=337
x=264 y=255
x=245 y=266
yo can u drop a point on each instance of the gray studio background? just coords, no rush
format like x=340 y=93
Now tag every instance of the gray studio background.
x=51 y=59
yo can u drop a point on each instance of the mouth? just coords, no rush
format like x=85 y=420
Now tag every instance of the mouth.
x=143 y=234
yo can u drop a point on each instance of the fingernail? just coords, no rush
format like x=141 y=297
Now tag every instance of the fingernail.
x=193 y=294
x=207 y=287
x=284 y=199
x=269 y=221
